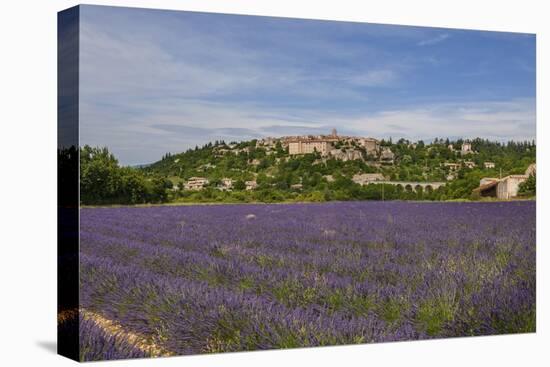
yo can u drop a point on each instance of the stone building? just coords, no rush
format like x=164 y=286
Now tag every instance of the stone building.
x=309 y=146
x=486 y=180
x=503 y=188
x=531 y=170
x=452 y=166
x=508 y=187
x=196 y=183
x=251 y=185
x=366 y=178
x=469 y=164
x=489 y=165
x=225 y=184
x=267 y=142
x=371 y=145
x=346 y=155
x=466 y=148
x=387 y=156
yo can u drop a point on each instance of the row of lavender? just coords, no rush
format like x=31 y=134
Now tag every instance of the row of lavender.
x=198 y=279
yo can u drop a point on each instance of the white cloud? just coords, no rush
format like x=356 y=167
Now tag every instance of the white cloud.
x=176 y=127
x=496 y=120
x=432 y=41
x=137 y=63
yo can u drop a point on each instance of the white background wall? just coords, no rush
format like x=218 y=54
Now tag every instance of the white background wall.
x=28 y=181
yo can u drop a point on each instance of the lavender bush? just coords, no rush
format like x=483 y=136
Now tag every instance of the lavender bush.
x=97 y=345
x=217 y=278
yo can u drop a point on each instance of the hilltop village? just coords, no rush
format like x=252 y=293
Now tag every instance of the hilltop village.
x=337 y=167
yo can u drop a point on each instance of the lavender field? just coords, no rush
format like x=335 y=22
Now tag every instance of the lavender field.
x=173 y=280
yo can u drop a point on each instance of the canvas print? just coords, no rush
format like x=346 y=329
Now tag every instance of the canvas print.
x=238 y=183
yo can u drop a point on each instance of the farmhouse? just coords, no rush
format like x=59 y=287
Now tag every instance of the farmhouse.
x=469 y=164
x=486 y=180
x=196 y=183
x=452 y=166
x=503 y=188
x=225 y=184
x=251 y=185
x=508 y=187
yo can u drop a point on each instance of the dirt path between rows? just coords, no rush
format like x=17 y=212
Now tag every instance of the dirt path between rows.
x=114 y=329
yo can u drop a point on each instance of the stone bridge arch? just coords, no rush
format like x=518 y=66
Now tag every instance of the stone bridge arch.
x=413 y=186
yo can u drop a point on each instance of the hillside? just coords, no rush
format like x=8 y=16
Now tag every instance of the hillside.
x=336 y=168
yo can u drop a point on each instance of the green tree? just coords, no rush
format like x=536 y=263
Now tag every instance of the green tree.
x=102 y=181
x=529 y=186
x=100 y=178
x=239 y=185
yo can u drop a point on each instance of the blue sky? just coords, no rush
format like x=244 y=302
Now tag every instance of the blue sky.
x=154 y=81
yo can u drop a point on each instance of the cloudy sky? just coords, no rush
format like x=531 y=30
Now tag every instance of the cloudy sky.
x=156 y=81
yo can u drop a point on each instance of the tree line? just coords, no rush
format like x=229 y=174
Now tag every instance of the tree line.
x=104 y=181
